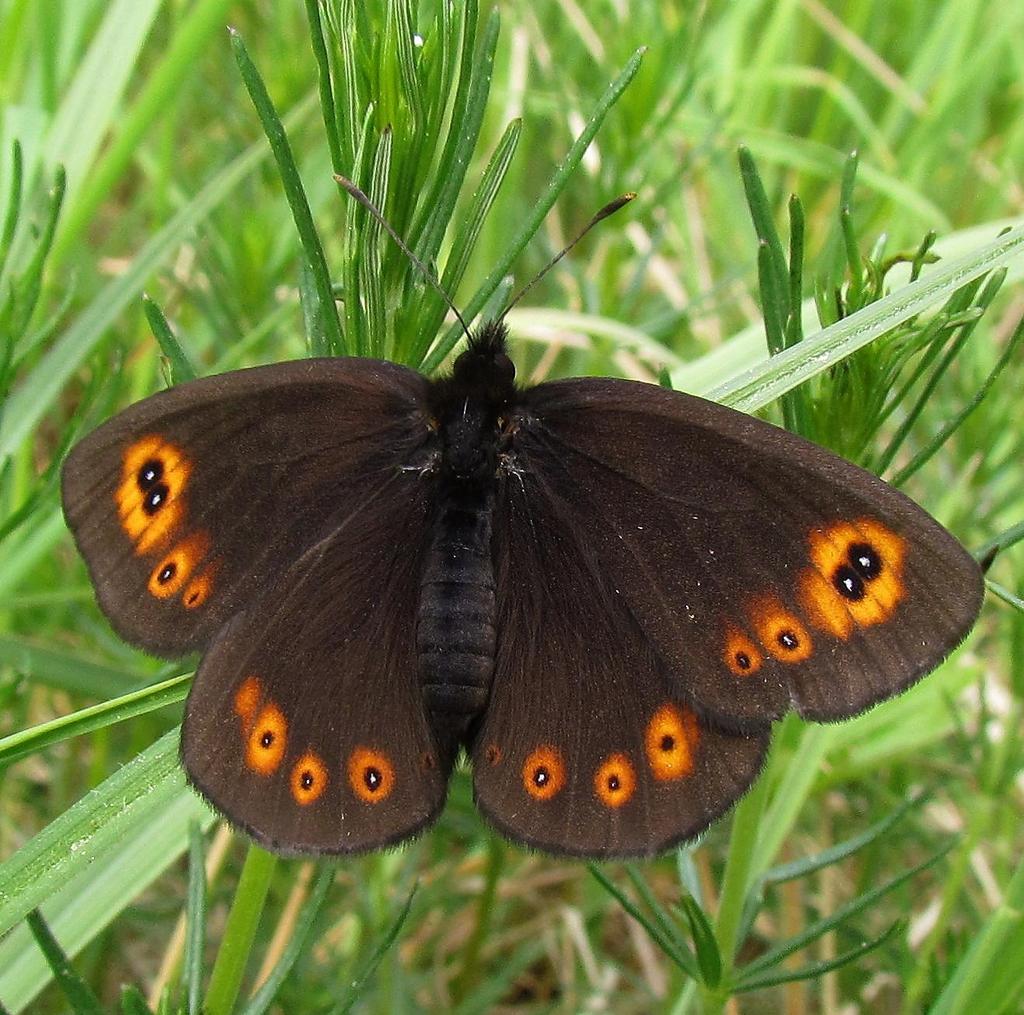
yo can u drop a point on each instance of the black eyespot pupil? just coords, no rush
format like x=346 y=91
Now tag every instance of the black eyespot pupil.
x=541 y=777
x=613 y=783
x=788 y=640
x=155 y=499
x=849 y=583
x=150 y=474
x=372 y=778
x=668 y=742
x=307 y=780
x=268 y=738
x=865 y=560
x=743 y=660
x=168 y=572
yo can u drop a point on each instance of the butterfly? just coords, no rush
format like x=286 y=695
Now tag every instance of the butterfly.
x=603 y=591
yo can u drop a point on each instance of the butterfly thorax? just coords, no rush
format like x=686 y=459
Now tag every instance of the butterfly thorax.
x=456 y=617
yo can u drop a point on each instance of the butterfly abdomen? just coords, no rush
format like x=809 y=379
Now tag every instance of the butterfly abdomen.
x=455 y=635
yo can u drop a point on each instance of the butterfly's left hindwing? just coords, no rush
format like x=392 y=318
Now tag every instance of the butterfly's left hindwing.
x=306 y=723
x=189 y=503
x=766 y=572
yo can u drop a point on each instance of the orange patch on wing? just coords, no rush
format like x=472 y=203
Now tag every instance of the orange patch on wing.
x=247 y=698
x=780 y=632
x=267 y=740
x=177 y=565
x=837 y=551
x=670 y=740
x=370 y=774
x=151 y=465
x=741 y=655
x=824 y=607
x=309 y=778
x=544 y=772
x=198 y=590
x=150 y=532
x=615 y=780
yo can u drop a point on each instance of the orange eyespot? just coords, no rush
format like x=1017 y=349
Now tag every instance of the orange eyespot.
x=544 y=772
x=862 y=563
x=267 y=740
x=671 y=739
x=370 y=774
x=309 y=778
x=173 y=571
x=780 y=632
x=198 y=590
x=154 y=473
x=741 y=655
x=247 y=698
x=615 y=780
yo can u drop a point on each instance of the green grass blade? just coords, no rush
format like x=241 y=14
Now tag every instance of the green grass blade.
x=756 y=388
x=841 y=915
x=36 y=738
x=539 y=211
x=294 y=191
x=99 y=885
x=203 y=20
x=181 y=366
x=240 y=932
x=195 y=922
x=264 y=997
x=360 y=982
x=77 y=992
x=669 y=944
x=40 y=389
x=818 y=969
x=131 y=797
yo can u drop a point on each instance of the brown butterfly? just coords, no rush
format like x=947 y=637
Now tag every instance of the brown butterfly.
x=604 y=591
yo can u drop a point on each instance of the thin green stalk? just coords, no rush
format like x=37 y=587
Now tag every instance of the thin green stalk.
x=736 y=881
x=495 y=864
x=539 y=211
x=240 y=932
x=294 y=190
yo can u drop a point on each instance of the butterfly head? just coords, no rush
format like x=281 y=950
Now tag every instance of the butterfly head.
x=470 y=404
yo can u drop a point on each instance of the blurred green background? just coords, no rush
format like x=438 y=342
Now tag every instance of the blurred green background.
x=132 y=161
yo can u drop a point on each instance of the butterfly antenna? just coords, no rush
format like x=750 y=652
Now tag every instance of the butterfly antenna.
x=609 y=209
x=365 y=201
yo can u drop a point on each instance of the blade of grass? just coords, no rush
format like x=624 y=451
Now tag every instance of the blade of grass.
x=198 y=24
x=195 y=922
x=36 y=738
x=96 y=891
x=813 y=931
x=294 y=191
x=264 y=997
x=77 y=992
x=818 y=969
x=240 y=932
x=539 y=211
x=39 y=390
x=753 y=389
x=181 y=366
x=681 y=956
x=360 y=983
x=95 y=824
